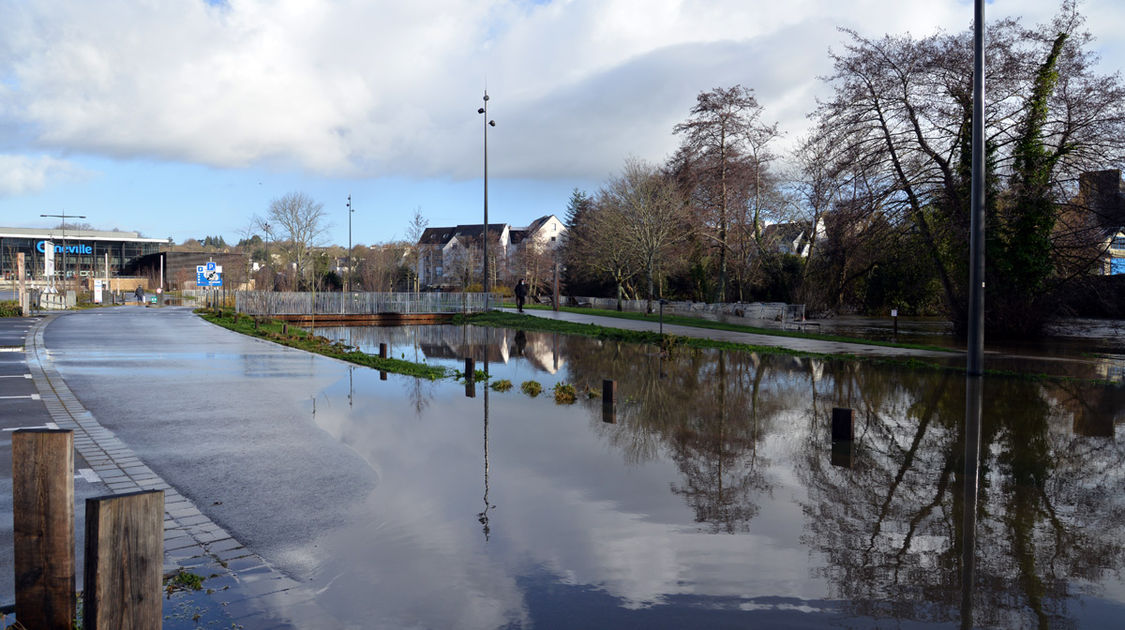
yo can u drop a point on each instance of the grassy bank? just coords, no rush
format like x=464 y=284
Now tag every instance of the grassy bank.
x=294 y=337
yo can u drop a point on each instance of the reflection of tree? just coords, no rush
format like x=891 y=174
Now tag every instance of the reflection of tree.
x=707 y=409
x=1050 y=510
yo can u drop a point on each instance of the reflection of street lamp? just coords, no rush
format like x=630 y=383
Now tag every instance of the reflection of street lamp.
x=63 y=217
x=488 y=123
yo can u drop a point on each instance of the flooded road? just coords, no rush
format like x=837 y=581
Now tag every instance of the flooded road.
x=716 y=498
x=712 y=498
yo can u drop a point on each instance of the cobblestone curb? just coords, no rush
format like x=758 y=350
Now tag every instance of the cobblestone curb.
x=239 y=582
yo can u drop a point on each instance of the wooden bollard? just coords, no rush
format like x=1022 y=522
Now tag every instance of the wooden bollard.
x=609 y=401
x=124 y=558
x=382 y=375
x=470 y=370
x=842 y=425
x=43 y=527
x=285 y=329
x=382 y=351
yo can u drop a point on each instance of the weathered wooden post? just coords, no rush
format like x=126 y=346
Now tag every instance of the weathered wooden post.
x=382 y=375
x=124 y=558
x=609 y=401
x=285 y=328
x=843 y=433
x=382 y=351
x=43 y=527
x=470 y=370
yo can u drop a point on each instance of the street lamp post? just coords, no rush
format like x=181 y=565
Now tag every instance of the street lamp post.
x=347 y=278
x=488 y=123
x=63 y=217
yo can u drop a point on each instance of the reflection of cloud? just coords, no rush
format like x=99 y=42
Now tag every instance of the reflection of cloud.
x=554 y=512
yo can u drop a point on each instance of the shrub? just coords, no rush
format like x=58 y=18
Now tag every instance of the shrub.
x=531 y=388
x=565 y=394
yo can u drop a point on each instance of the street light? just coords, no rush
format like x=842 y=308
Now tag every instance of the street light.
x=347 y=278
x=488 y=123
x=63 y=217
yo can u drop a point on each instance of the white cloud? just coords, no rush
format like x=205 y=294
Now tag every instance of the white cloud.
x=372 y=88
x=22 y=174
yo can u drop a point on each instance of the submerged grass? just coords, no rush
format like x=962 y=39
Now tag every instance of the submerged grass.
x=272 y=330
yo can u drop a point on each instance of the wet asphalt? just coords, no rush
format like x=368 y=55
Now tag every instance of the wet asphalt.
x=223 y=418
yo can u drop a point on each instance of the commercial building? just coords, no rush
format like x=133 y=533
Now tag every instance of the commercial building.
x=78 y=253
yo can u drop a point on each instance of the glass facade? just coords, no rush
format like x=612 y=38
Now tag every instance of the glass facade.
x=76 y=256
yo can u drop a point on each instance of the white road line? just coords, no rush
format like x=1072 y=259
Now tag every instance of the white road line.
x=15 y=376
x=31 y=396
x=11 y=348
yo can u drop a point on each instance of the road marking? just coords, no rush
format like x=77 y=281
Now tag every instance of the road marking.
x=15 y=376
x=31 y=396
x=88 y=474
x=11 y=348
x=51 y=425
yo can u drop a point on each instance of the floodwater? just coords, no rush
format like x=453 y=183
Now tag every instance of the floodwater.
x=712 y=495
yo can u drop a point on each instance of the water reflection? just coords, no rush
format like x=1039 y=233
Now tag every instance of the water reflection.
x=716 y=499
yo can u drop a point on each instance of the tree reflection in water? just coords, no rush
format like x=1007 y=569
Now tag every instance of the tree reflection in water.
x=1049 y=507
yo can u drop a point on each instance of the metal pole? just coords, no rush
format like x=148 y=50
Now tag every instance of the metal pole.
x=347 y=278
x=487 y=123
x=975 y=349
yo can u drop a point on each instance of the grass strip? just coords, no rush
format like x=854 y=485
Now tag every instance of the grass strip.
x=274 y=330
x=695 y=322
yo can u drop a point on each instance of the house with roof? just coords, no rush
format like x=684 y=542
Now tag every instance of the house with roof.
x=453 y=257
x=793 y=238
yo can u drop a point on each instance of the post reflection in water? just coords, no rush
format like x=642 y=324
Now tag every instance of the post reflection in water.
x=974 y=390
x=714 y=493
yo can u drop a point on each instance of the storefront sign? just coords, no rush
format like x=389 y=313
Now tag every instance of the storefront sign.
x=77 y=248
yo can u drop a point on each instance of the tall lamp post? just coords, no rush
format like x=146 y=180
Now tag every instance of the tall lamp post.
x=63 y=217
x=488 y=123
x=347 y=278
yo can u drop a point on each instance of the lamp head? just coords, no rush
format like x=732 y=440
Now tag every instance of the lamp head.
x=480 y=110
x=492 y=123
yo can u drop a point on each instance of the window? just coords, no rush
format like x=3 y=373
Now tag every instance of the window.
x=1118 y=242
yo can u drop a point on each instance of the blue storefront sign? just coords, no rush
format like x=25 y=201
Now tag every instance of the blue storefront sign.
x=1116 y=266
x=77 y=248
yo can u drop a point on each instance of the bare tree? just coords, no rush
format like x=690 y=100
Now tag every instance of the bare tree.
x=652 y=214
x=725 y=127
x=414 y=230
x=600 y=245
x=300 y=222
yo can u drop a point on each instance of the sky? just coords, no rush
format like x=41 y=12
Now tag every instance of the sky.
x=186 y=118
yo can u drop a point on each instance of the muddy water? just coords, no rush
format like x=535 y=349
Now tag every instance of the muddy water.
x=713 y=497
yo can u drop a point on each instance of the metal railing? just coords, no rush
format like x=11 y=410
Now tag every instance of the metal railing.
x=278 y=303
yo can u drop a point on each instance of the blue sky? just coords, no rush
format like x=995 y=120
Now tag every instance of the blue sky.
x=185 y=118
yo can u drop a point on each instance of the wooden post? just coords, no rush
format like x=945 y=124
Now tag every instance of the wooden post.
x=285 y=328
x=382 y=351
x=124 y=558
x=382 y=375
x=842 y=425
x=609 y=401
x=43 y=527
x=470 y=370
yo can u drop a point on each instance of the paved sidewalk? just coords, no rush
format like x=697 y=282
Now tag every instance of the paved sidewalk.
x=792 y=343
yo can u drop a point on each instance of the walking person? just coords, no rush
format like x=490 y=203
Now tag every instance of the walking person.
x=140 y=294
x=521 y=294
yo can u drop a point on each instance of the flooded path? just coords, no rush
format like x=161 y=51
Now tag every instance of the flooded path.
x=713 y=496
